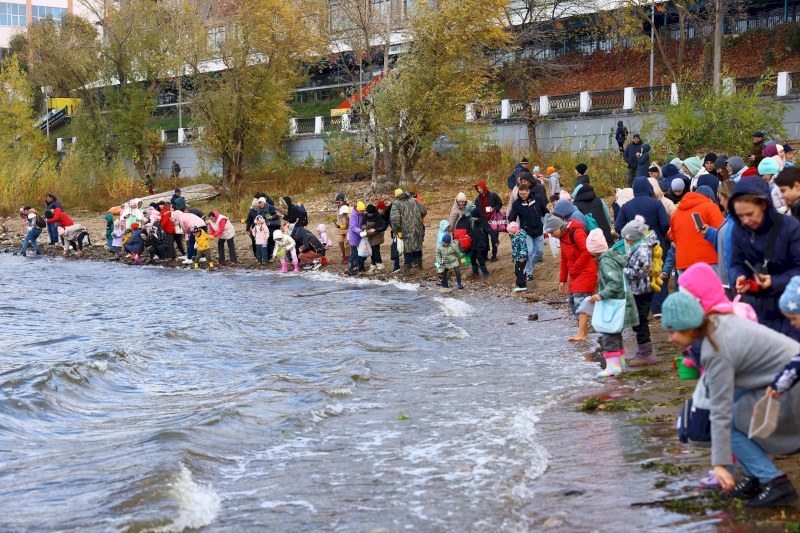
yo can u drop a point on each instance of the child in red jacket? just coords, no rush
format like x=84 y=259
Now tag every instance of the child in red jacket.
x=578 y=274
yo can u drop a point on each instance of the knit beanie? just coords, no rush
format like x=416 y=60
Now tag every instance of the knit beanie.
x=736 y=163
x=513 y=228
x=360 y=207
x=564 y=195
x=693 y=164
x=681 y=312
x=581 y=168
x=563 y=208
x=135 y=225
x=277 y=234
x=536 y=170
x=446 y=238
x=706 y=191
x=768 y=166
x=372 y=210
x=381 y=204
x=790 y=299
x=551 y=170
x=254 y=203
x=751 y=171
x=461 y=197
x=635 y=229
x=669 y=170
x=710 y=156
x=596 y=242
x=769 y=149
x=552 y=223
x=677 y=162
x=398 y=192
x=719 y=164
x=262 y=199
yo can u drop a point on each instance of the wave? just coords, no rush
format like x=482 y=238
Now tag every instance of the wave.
x=328 y=277
x=453 y=307
x=198 y=505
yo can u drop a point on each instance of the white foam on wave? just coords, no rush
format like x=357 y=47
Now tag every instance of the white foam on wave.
x=328 y=411
x=458 y=332
x=295 y=503
x=328 y=277
x=102 y=366
x=453 y=307
x=198 y=505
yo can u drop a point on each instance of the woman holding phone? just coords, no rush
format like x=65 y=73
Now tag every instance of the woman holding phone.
x=695 y=213
x=765 y=252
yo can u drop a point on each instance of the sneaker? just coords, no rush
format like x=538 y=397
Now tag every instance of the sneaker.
x=657 y=315
x=316 y=265
x=520 y=289
x=379 y=266
x=493 y=259
x=372 y=269
x=778 y=492
x=748 y=487
x=203 y=260
x=460 y=287
x=529 y=277
x=232 y=264
x=187 y=262
x=181 y=258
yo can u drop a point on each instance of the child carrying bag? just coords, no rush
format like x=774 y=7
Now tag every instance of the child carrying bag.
x=609 y=315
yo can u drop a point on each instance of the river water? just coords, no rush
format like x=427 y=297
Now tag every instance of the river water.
x=151 y=399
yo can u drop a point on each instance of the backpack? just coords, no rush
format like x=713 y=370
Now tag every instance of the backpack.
x=41 y=223
x=738 y=308
x=625 y=132
x=591 y=223
x=302 y=220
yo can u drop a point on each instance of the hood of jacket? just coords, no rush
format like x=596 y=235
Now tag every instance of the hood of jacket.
x=443 y=225
x=691 y=200
x=585 y=194
x=285 y=200
x=757 y=187
x=658 y=194
x=645 y=148
x=109 y=217
x=642 y=187
x=702 y=282
x=619 y=123
x=482 y=184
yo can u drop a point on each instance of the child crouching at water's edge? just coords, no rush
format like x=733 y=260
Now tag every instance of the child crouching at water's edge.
x=202 y=244
x=448 y=258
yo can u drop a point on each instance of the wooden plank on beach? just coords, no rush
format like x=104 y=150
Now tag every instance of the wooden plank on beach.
x=192 y=193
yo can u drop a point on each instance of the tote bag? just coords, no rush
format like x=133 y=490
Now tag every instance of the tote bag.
x=609 y=315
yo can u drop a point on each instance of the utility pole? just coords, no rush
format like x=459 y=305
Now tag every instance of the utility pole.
x=388 y=40
x=652 y=40
x=719 y=6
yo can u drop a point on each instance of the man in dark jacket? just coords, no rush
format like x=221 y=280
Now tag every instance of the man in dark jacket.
x=755 y=152
x=631 y=158
x=643 y=203
x=519 y=168
x=489 y=203
x=537 y=189
x=754 y=218
x=621 y=135
x=588 y=203
x=529 y=211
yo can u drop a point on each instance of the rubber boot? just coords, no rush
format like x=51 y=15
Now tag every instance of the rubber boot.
x=351 y=268
x=644 y=356
x=284 y=266
x=296 y=266
x=210 y=265
x=612 y=366
x=623 y=362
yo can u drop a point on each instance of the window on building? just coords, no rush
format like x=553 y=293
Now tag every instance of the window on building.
x=42 y=12
x=12 y=14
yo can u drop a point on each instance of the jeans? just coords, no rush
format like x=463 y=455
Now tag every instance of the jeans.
x=754 y=461
x=52 y=232
x=30 y=238
x=519 y=272
x=643 y=308
x=612 y=342
x=109 y=240
x=575 y=299
x=535 y=252
x=261 y=253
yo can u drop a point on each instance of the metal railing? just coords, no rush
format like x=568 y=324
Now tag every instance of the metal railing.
x=518 y=108
x=602 y=100
x=749 y=84
x=653 y=96
x=171 y=136
x=565 y=104
x=305 y=126
x=488 y=112
x=332 y=123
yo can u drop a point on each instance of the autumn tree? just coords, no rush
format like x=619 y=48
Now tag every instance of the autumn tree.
x=445 y=65
x=259 y=46
x=17 y=134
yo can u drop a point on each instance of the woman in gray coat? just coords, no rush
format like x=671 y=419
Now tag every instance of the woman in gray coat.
x=740 y=358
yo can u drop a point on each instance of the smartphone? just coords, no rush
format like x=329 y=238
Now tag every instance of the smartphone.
x=698 y=221
x=752 y=268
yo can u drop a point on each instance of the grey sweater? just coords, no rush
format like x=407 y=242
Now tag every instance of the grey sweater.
x=748 y=357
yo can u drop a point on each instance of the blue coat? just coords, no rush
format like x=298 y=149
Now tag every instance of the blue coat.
x=750 y=245
x=135 y=243
x=643 y=203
